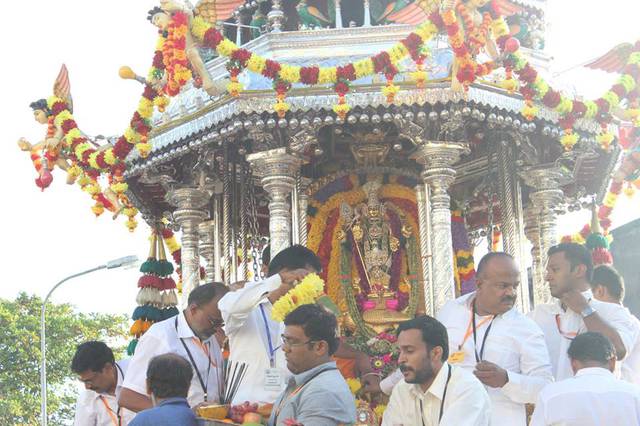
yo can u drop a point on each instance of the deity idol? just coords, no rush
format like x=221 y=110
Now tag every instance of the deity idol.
x=376 y=251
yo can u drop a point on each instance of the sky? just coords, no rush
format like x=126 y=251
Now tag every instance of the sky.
x=52 y=234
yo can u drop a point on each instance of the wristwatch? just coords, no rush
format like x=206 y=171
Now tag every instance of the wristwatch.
x=588 y=310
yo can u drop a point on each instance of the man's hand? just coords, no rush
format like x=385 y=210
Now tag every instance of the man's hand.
x=291 y=277
x=574 y=300
x=289 y=280
x=491 y=375
x=221 y=338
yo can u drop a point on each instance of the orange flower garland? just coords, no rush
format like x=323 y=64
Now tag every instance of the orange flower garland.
x=174 y=55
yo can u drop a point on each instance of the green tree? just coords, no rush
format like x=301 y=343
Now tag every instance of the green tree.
x=20 y=356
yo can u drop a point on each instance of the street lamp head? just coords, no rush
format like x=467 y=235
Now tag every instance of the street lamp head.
x=122 y=261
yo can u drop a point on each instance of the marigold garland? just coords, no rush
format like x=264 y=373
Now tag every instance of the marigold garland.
x=534 y=87
x=385 y=62
x=308 y=291
x=174 y=56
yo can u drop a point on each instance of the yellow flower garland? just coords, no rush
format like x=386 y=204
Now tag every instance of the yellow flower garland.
x=308 y=291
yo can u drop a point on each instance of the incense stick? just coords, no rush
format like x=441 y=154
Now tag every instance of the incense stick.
x=233 y=375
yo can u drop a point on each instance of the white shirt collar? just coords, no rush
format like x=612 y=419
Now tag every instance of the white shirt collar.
x=594 y=371
x=437 y=386
x=587 y=295
x=183 y=330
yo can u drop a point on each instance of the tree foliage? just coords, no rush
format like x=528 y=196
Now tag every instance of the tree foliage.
x=20 y=356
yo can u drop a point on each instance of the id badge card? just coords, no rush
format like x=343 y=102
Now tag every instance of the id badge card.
x=273 y=380
x=456 y=357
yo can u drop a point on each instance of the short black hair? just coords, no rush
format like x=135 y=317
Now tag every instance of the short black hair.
x=318 y=324
x=591 y=346
x=609 y=278
x=153 y=12
x=92 y=355
x=487 y=258
x=266 y=255
x=40 y=104
x=433 y=332
x=169 y=376
x=205 y=293
x=576 y=254
x=294 y=257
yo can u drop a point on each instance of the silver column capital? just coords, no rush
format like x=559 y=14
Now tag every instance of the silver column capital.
x=275 y=16
x=277 y=170
x=546 y=194
x=190 y=212
x=438 y=158
x=206 y=231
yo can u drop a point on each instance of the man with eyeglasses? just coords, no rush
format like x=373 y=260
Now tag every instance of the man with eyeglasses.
x=316 y=394
x=190 y=334
x=102 y=377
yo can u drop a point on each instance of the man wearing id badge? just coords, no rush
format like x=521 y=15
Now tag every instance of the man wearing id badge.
x=254 y=337
x=190 y=334
x=433 y=392
x=489 y=336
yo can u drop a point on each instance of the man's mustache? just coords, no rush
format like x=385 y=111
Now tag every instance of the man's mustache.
x=511 y=299
x=404 y=367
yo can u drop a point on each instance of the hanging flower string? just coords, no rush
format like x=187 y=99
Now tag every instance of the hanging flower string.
x=284 y=75
x=627 y=172
x=170 y=59
x=174 y=55
x=534 y=87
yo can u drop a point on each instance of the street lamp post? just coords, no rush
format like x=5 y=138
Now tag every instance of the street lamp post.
x=117 y=263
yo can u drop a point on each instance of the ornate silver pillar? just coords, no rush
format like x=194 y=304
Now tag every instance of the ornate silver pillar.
x=367 y=14
x=338 y=13
x=295 y=211
x=189 y=214
x=532 y=232
x=277 y=170
x=545 y=196
x=511 y=223
x=239 y=29
x=438 y=158
x=424 y=222
x=207 y=248
x=217 y=242
x=275 y=16
x=303 y=202
x=227 y=225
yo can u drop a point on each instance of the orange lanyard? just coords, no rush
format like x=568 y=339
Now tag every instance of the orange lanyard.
x=471 y=328
x=204 y=349
x=567 y=335
x=115 y=417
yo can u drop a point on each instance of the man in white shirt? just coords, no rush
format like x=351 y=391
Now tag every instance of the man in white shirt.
x=608 y=286
x=190 y=334
x=254 y=337
x=569 y=272
x=102 y=376
x=433 y=392
x=501 y=346
x=594 y=397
